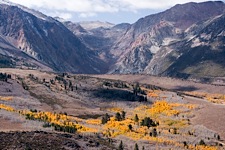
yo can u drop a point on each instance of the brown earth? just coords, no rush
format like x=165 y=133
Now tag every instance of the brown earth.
x=42 y=140
x=209 y=115
x=88 y=101
x=168 y=83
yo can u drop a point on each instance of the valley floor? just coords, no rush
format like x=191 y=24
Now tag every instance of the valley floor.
x=183 y=114
x=210 y=115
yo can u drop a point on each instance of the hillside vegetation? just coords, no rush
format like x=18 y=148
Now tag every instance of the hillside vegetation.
x=109 y=111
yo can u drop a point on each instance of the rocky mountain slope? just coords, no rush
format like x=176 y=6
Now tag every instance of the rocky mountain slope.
x=47 y=41
x=184 y=41
x=89 y=25
x=100 y=39
x=204 y=54
x=10 y=56
x=153 y=44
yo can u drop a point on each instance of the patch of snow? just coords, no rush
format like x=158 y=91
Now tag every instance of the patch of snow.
x=46 y=32
x=205 y=36
x=196 y=42
x=221 y=33
x=167 y=41
x=31 y=11
x=32 y=25
x=6 y=2
x=89 y=25
x=211 y=20
x=154 y=49
x=60 y=19
x=190 y=37
x=168 y=51
x=178 y=31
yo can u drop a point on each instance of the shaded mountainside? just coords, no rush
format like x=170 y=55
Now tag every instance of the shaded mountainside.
x=100 y=39
x=47 y=41
x=144 y=46
x=183 y=41
x=10 y=56
x=204 y=54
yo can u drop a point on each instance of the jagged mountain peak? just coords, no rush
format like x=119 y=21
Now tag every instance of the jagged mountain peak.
x=47 y=41
x=184 y=14
x=158 y=44
x=151 y=44
x=6 y=2
x=28 y=10
x=89 y=25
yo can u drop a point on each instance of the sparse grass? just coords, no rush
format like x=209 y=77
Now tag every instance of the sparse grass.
x=45 y=99
x=8 y=108
x=89 y=116
x=94 y=121
x=204 y=69
x=6 y=98
x=214 y=98
x=111 y=129
x=168 y=112
x=153 y=93
x=115 y=109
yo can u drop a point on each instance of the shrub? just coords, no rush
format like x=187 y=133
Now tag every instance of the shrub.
x=148 y=122
x=202 y=142
x=105 y=118
x=121 y=146
x=136 y=119
x=118 y=117
x=136 y=147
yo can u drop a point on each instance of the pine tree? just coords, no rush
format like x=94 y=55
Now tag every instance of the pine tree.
x=202 y=142
x=130 y=127
x=105 y=118
x=153 y=133
x=136 y=147
x=121 y=146
x=136 y=119
x=70 y=84
x=123 y=115
x=148 y=122
x=118 y=117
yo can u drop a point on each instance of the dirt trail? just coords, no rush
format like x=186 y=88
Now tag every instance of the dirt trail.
x=210 y=115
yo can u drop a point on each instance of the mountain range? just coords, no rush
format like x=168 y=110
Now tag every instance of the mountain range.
x=185 y=41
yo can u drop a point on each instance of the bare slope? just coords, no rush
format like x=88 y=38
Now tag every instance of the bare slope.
x=161 y=44
x=47 y=41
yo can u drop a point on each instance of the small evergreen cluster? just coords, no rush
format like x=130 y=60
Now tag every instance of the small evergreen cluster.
x=69 y=129
x=139 y=93
x=147 y=121
x=5 y=77
x=120 y=117
x=68 y=85
x=105 y=118
x=117 y=84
